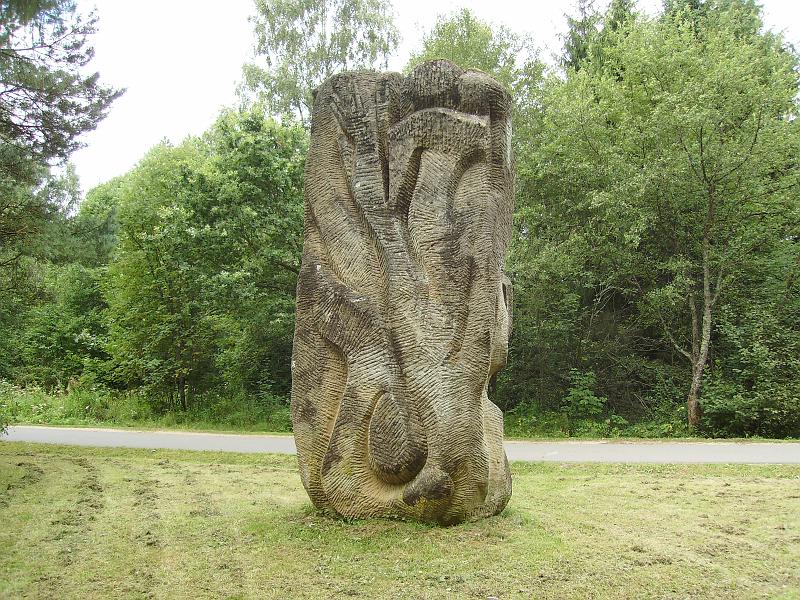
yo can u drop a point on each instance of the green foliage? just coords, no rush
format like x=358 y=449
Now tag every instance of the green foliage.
x=35 y=242
x=77 y=406
x=159 y=331
x=754 y=389
x=767 y=410
x=201 y=286
x=300 y=43
x=96 y=224
x=65 y=337
x=655 y=248
x=581 y=401
x=33 y=222
x=260 y=165
x=664 y=172
x=581 y=35
x=89 y=404
x=46 y=98
x=472 y=44
x=591 y=34
x=257 y=412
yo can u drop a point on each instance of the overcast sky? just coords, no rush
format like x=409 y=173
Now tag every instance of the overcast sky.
x=180 y=61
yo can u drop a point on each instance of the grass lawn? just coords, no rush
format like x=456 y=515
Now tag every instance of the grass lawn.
x=89 y=523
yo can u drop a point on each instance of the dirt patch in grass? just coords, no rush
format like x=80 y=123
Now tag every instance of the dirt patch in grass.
x=19 y=475
x=90 y=523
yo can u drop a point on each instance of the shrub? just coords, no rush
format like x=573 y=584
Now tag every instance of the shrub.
x=731 y=410
x=581 y=401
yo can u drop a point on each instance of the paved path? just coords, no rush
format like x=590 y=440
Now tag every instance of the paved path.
x=566 y=451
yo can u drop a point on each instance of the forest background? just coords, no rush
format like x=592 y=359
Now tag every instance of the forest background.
x=656 y=250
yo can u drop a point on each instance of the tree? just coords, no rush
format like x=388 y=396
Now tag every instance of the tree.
x=46 y=99
x=582 y=31
x=619 y=12
x=64 y=335
x=34 y=233
x=96 y=224
x=201 y=285
x=473 y=44
x=60 y=330
x=752 y=387
x=46 y=102
x=260 y=166
x=300 y=43
x=689 y=161
x=160 y=331
x=591 y=32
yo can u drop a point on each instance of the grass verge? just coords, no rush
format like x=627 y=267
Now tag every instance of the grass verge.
x=100 y=523
x=104 y=408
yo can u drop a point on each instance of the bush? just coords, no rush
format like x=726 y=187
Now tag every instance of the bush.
x=668 y=420
x=79 y=405
x=262 y=411
x=731 y=410
x=754 y=389
x=581 y=403
x=527 y=420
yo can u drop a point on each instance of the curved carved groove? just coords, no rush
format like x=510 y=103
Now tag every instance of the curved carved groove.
x=397 y=448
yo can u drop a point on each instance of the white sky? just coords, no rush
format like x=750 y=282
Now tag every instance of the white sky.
x=180 y=61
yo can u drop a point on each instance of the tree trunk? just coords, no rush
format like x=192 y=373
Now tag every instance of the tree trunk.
x=692 y=401
x=182 y=391
x=700 y=351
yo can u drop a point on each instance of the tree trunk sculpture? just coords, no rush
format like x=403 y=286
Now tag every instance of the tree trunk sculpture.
x=403 y=310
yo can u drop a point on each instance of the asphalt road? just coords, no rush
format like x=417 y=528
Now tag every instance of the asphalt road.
x=556 y=451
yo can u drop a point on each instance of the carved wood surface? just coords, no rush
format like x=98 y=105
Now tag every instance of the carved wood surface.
x=403 y=311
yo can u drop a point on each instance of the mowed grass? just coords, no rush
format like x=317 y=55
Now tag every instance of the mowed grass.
x=117 y=523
